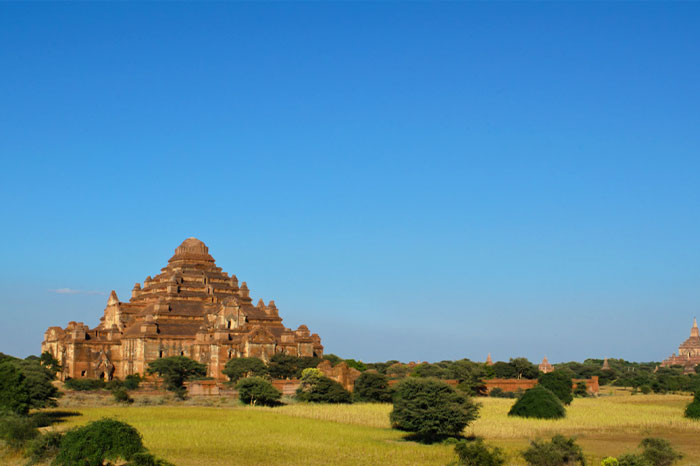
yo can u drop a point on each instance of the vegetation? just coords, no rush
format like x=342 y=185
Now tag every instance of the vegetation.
x=431 y=409
x=560 y=451
x=175 y=371
x=372 y=387
x=17 y=430
x=283 y=366
x=692 y=411
x=500 y=393
x=477 y=453
x=316 y=388
x=559 y=383
x=122 y=396
x=81 y=385
x=14 y=393
x=540 y=403
x=258 y=391
x=44 y=447
x=237 y=368
x=97 y=442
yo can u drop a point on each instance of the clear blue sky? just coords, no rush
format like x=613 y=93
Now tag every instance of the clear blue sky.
x=411 y=180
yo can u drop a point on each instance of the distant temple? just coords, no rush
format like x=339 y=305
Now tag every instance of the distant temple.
x=688 y=352
x=545 y=367
x=190 y=309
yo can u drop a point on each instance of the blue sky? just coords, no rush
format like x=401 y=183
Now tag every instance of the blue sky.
x=413 y=181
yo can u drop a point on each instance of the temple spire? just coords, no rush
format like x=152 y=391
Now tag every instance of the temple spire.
x=694 y=331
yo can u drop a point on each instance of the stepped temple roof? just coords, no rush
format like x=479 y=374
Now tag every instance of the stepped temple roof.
x=688 y=352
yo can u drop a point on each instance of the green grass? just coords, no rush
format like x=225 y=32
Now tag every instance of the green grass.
x=197 y=433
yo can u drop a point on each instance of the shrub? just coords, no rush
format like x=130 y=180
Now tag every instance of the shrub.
x=98 y=441
x=431 y=409
x=283 y=366
x=538 y=402
x=499 y=393
x=258 y=391
x=17 y=430
x=147 y=459
x=244 y=367
x=14 y=394
x=122 y=396
x=132 y=381
x=44 y=446
x=558 y=383
x=610 y=461
x=41 y=419
x=581 y=390
x=477 y=453
x=85 y=384
x=39 y=382
x=560 y=451
x=659 y=452
x=645 y=389
x=175 y=371
x=372 y=387
x=316 y=388
x=633 y=460
x=692 y=411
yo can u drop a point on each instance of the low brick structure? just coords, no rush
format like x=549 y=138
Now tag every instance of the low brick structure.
x=341 y=373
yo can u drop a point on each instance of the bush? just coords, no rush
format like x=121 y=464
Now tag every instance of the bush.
x=132 y=382
x=540 y=403
x=610 y=461
x=431 y=409
x=244 y=367
x=692 y=411
x=633 y=460
x=477 y=453
x=561 y=451
x=499 y=393
x=372 y=387
x=316 y=388
x=147 y=459
x=122 y=396
x=17 y=430
x=44 y=446
x=14 y=394
x=85 y=384
x=659 y=452
x=98 y=441
x=645 y=389
x=558 y=383
x=581 y=390
x=258 y=391
x=41 y=419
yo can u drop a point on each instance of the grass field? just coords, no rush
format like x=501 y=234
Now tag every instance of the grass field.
x=359 y=434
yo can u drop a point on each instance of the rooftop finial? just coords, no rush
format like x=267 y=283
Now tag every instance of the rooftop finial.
x=694 y=331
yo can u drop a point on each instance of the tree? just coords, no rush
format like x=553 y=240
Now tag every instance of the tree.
x=14 y=393
x=524 y=369
x=561 y=451
x=283 y=366
x=659 y=452
x=581 y=390
x=244 y=367
x=258 y=391
x=538 y=402
x=692 y=411
x=559 y=384
x=332 y=358
x=372 y=387
x=477 y=453
x=317 y=388
x=97 y=442
x=39 y=381
x=359 y=365
x=48 y=361
x=503 y=370
x=431 y=409
x=175 y=371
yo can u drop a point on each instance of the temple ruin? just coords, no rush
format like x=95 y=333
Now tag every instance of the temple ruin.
x=688 y=353
x=193 y=309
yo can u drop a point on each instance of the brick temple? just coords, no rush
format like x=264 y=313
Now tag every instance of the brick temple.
x=688 y=352
x=193 y=309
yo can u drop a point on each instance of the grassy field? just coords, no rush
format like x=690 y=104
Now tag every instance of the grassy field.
x=359 y=434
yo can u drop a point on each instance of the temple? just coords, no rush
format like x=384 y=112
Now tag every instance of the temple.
x=688 y=352
x=193 y=309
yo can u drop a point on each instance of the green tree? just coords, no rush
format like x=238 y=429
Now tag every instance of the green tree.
x=316 y=388
x=258 y=391
x=244 y=367
x=283 y=366
x=431 y=409
x=14 y=393
x=98 y=442
x=175 y=371
x=373 y=387
x=477 y=453
x=48 y=361
x=558 y=383
x=359 y=365
x=659 y=452
x=538 y=402
x=692 y=411
x=39 y=381
x=524 y=369
x=561 y=451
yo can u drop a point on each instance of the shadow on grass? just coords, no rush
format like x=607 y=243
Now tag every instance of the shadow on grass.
x=49 y=418
x=430 y=439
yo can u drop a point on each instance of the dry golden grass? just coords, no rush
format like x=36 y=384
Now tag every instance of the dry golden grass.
x=360 y=434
